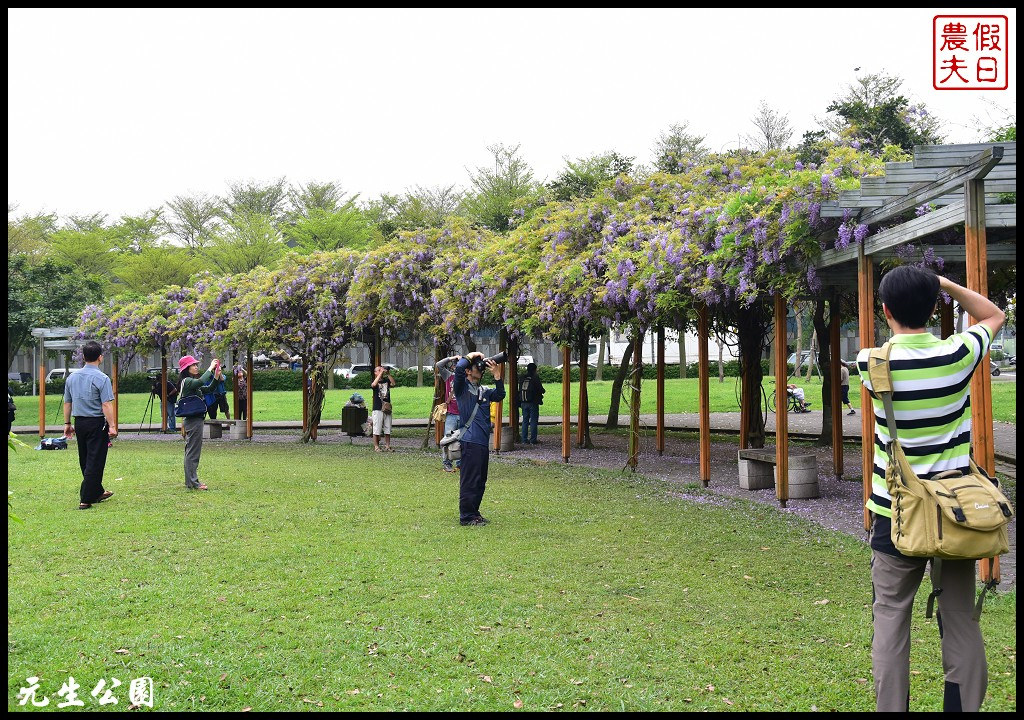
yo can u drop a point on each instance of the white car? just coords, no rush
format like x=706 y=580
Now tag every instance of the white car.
x=352 y=370
x=59 y=373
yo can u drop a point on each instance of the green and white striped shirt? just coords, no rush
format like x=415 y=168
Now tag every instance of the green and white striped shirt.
x=932 y=403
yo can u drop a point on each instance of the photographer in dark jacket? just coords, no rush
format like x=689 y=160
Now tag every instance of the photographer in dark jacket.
x=474 y=442
x=531 y=397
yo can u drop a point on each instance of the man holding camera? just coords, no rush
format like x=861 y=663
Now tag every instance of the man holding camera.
x=475 y=439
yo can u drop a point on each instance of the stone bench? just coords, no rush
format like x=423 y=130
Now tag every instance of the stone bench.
x=757 y=472
x=214 y=429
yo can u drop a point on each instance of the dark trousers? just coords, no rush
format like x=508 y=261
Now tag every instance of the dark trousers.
x=241 y=408
x=531 y=414
x=222 y=402
x=472 y=479
x=91 y=433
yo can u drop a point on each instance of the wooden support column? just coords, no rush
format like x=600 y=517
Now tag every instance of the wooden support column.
x=583 y=403
x=305 y=396
x=661 y=391
x=117 y=417
x=42 y=388
x=634 y=405
x=781 y=404
x=234 y=389
x=704 y=392
x=512 y=390
x=835 y=378
x=248 y=395
x=945 y=318
x=982 y=430
x=163 y=390
x=503 y=347
x=866 y=310
x=566 y=365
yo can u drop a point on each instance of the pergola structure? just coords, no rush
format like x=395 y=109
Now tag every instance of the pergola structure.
x=967 y=186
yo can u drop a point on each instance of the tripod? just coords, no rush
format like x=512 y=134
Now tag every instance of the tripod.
x=154 y=390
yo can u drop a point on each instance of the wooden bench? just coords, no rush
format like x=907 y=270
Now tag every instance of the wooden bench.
x=757 y=472
x=214 y=429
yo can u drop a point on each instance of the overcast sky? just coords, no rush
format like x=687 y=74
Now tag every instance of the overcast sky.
x=118 y=111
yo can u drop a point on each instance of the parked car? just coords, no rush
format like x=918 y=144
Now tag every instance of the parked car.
x=19 y=377
x=352 y=370
x=805 y=357
x=59 y=373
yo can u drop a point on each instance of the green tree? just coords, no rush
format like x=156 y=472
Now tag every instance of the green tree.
x=497 y=192
x=582 y=177
x=417 y=209
x=154 y=268
x=90 y=250
x=193 y=220
x=46 y=293
x=247 y=242
x=677 y=148
x=319 y=230
x=30 y=234
x=133 y=233
x=246 y=199
x=874 y=112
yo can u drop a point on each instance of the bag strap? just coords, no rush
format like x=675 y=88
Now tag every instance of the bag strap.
x=881 y=382
x=472 y=415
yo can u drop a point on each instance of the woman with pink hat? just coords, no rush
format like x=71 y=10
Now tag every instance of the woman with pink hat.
x=194 y=385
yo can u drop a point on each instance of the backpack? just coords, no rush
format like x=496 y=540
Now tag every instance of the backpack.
x=948 y=516
x=525 y=394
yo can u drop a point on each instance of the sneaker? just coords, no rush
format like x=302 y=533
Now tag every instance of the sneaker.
x=852 y=412
x=448 y=468
x=482 y=519
x=474 y=521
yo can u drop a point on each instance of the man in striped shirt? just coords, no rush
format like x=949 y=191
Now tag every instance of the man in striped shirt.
x=932 y=402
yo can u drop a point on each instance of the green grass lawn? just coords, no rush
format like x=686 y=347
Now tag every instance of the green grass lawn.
x=327 y=576
x=680 y=397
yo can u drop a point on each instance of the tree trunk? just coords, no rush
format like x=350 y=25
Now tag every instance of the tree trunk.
x=799 y=339
x=467 y=338
x=751 y=329
x=620 y=377
x=821 y=329
x=721 y=362
x=811 y=360
x=583 y=412
x=318 y=375
x=600 y=357
x=682 y=353
x=419 y=360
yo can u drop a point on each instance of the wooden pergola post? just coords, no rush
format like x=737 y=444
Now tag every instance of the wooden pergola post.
x=503 y=347
x=946 y=318
x=512 y=390
x=42 y=388
x=248 y=395
x=163 y=390
x=982 y=430
x=234 y=387
x=660 y=441
x=835 y=377
x=781 y=404
x=566 y=355
x=117 y=417
x=703 y=389
x=866 y=311
x=745 y=401
x=634 y=405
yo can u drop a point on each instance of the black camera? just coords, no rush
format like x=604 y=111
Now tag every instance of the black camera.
x=154 y=385
x=481 y=364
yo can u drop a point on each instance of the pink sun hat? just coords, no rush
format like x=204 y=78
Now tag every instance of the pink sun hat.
x=185 y=362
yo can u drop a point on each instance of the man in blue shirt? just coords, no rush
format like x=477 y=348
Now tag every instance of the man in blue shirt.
x=469 y=395
x=89 y=397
